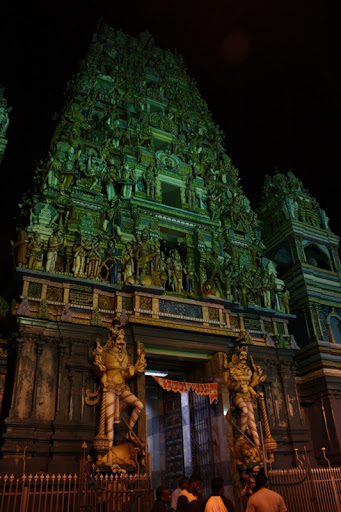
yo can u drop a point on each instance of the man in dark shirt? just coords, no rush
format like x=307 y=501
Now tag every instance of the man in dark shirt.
x=190 y=499
x=217 y=501
x=162 y=499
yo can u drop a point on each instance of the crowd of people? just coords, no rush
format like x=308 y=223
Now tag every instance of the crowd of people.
x=188 y=497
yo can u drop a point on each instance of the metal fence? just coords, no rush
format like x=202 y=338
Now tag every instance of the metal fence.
x=90 y=491
x=308 y=489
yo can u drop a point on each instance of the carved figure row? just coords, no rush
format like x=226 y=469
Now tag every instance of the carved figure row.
x=143 y=261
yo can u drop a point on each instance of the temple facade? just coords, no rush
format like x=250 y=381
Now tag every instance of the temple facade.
x=137 y=218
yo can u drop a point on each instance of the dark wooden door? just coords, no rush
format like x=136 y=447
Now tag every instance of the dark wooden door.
x=201 y=439
x=173 y=438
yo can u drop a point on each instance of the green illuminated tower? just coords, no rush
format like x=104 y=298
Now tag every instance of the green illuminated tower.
x=299 y=240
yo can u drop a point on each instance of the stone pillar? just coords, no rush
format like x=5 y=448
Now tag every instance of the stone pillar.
x=222 y=433
x=186 y=433
x=39 y=344
x=19 y=343
x=75 y=422
x=299 y=249
x=294 y=435
x=61 y=350
x=30 y=395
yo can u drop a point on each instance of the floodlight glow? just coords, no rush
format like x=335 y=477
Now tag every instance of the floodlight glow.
x=155 y=374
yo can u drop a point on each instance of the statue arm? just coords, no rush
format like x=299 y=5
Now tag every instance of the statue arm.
x=100 y=368
x=235 y=385
x=257 y=376
x=257 y=379
x=141 y=362
x=226 y=372
x=129 y=372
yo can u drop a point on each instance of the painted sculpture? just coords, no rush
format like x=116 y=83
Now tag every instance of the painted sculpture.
x=241 y=380
x=113 y=366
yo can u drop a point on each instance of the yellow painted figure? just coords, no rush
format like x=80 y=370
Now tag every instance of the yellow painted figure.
x=113 y=365
x=241 y=381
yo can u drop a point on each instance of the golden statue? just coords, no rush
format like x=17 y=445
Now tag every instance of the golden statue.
x=241 y=380
x=113 y=365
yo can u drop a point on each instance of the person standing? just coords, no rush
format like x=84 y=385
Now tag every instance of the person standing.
x=264 y=500
x=183 y=484
x=190 y=499
x=217 y=502
x=162 y=499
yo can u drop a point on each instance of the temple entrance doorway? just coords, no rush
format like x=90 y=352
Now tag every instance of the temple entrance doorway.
x=179 y=435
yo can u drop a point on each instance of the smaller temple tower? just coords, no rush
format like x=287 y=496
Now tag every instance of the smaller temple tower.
x=300 y=242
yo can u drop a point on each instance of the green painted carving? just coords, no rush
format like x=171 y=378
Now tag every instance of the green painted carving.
x=285 y=198
x=43 y=311
x=137 y=187
x=96 y=318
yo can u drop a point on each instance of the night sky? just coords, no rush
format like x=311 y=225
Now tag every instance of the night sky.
x=269 y=71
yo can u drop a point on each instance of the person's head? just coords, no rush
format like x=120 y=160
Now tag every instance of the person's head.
x=194 y=483
x=183 y=482
x=217 y=485
x=163 y=493
x=261 y=480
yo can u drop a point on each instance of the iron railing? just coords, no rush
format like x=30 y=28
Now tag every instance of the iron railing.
x=88 y=491
x=308 y=489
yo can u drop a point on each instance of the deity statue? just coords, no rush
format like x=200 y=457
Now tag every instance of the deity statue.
x=110 y=266
x=241 y=381
x=21 y=245
x=191 y=192
x=127 y=262
x=93 y=257
x=113 y=365
x=189 y=270
x=128 y=180
x=285 y=299
x=149 y=176
x=268 y=287
x=79 y=254
x=175 y=270
x=110 y=178
x=147 y=251
x=35 y=251
x=56 y=243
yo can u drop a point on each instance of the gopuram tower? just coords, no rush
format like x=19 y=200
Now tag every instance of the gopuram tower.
x=299 y=240
x=137 y=216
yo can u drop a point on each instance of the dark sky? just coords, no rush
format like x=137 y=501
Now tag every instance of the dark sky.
x=269 y=71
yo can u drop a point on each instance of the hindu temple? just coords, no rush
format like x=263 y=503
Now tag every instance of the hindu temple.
x=140 y=260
